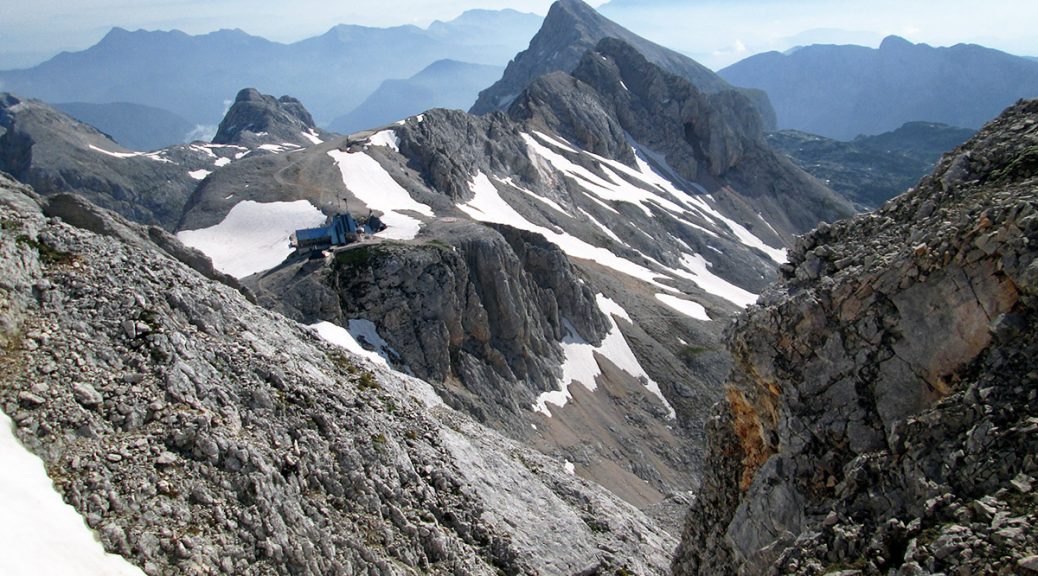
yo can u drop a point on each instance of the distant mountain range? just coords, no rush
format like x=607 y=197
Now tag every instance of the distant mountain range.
x=443 y=84
x=191 y=76
x=843 y=91
x=870 y=170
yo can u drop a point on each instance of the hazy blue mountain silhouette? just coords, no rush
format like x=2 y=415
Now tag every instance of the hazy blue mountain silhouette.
x=443 y=84
x=331 y=74
x=843 y=91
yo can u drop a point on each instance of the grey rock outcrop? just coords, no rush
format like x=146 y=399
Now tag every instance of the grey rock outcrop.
x=255 y=119
x=470 y=305
x=570 y=29
x=198 y=433
x=882 y=411
x=485 y=311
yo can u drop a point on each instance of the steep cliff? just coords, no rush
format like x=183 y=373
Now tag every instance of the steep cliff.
x=882 y=411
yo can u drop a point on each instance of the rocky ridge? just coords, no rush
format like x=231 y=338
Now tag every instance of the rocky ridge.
x=198 y=433
x=881 y=417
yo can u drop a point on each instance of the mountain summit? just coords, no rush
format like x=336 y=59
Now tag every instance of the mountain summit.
x=570 y=29
x=256 y=119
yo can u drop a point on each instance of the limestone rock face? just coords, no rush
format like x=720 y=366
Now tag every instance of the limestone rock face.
x=475 y=312
x=882 y=408
x=615 y=96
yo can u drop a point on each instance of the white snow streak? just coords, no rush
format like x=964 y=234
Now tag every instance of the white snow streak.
x=373 y=186
x=488 y=206
x=582 y=366
x=697 y=270
x=199 y=174
x=312 y=136
x=744 y=235
x=39 y=533
x=686 y=307
x=221 y=162
x=364 y=331
x=156 y=156
x=253 y=237
x=546 y=201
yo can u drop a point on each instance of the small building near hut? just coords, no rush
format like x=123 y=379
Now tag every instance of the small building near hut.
x=342 y=230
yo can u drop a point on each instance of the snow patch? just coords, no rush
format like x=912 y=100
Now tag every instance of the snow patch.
x=546 y=201
x=365 y=332
x=689 y=308
x=312 y=136
x=156 y=156
x=199 y=174
x=253 y=237
x=373 y=186
x=570 y=468
x=39 y=533
x=116 y=154
x=343 y=338
x=582 y=366
x=605 y=229
x=385 y=138
x=221 y=162
x=745 y=236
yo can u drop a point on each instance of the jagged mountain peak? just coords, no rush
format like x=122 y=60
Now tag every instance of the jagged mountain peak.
x=257 y=119
x=569 y=30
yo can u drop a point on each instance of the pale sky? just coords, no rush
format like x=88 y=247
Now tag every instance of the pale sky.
x=715 y=32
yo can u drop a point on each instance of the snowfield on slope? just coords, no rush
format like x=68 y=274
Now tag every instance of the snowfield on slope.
x=40 y=535
x=373 y=186
x=582 y=366
x=253 y=237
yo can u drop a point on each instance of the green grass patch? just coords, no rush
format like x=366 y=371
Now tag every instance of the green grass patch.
x=48 y=254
